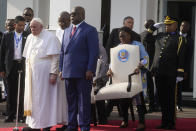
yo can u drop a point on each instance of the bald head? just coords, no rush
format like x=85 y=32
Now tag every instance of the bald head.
x=64 y=20
x=36 y=26
x=77 y=15
x=148 y=23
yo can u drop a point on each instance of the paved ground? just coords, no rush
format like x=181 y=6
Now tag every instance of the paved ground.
x=187 y=113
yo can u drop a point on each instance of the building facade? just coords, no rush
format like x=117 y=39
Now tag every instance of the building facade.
x=110 y=13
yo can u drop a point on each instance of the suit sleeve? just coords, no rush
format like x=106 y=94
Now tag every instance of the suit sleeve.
x=61 y=58
x=144 y=55
x=93 y=49
x=2 y=53
x=104 y=61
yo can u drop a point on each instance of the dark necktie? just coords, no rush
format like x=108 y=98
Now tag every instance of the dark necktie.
x=73 y=30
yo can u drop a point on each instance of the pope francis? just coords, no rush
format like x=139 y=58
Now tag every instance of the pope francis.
x=42 y=104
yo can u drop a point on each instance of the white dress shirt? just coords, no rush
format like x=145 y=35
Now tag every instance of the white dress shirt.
x=17 y=45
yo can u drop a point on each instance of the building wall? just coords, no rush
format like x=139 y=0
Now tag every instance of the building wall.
x=3 y=14
x=63 y=5
x=92 y=10
x=16 y=7
x=121 y=9
x=140 y=10
x=43 y=11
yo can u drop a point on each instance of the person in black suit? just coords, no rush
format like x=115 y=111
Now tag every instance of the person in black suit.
x=184 y=29
x=150 y=48
x=28 y=14
x=168 y=67
x=11 y=61
x=113 y=41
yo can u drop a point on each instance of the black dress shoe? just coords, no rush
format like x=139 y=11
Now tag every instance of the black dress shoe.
x=170 y=127
x=46 y=129
x=62 y=128
x=9 y=119
x=21 y=120
x=103 y=122
x=140 y=129
x=29 y=129
x=161 y=127
x=179 y=108
x=124 y=124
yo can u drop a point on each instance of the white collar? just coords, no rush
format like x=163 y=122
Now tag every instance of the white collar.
x=78 y=24
x=184 y=35
x=18 y=34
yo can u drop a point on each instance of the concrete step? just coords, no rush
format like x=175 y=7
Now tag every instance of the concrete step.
x=188 y=100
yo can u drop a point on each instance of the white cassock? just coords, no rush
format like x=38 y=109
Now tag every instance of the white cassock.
x=43 y=102
x=59 y=34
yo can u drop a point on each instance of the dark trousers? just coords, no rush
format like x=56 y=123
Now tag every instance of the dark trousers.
x=150 y=90
x=110 y=104
x=12 y=91
x=179 y=93
x=125 y=104
x=78 y=92
x=101 y=111
x=166 y=95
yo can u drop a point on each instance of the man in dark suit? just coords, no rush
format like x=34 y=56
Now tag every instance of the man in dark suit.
x=28 y=14
x=150 y=48
x=79 y=54
x=113 y=41
x=168 y=68
x=184 y=29
x=11 y=61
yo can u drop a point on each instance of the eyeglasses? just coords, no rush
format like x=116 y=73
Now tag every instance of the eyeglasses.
x=27 y=15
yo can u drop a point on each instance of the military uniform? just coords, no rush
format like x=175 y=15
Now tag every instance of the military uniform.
x=168 y=63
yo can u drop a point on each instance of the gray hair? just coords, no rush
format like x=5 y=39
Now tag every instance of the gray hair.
x=37 y=20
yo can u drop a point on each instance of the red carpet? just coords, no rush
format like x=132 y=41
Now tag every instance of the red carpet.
x=185 y=124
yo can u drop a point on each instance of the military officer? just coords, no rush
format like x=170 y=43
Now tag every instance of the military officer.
x=168 y=67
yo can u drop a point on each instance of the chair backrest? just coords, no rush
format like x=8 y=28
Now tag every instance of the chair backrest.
x=124 y=60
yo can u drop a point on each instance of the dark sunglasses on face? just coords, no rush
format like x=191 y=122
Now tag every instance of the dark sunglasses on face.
x=27 y=15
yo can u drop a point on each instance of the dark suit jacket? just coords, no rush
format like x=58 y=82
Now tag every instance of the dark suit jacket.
x=114 y=40
x=7 y=51
x=28 y=29
x=1 y=35
x=188 y=53
x=80 y=52
x=149 y=45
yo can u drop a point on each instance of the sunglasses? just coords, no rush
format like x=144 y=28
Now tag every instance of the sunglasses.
x=27 y=15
